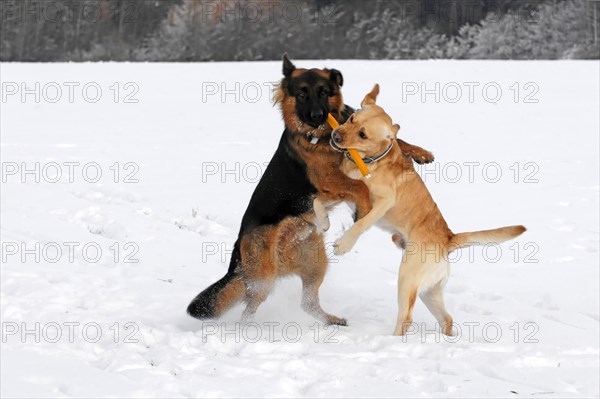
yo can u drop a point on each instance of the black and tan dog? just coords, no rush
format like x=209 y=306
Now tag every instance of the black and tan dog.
x=278 y=236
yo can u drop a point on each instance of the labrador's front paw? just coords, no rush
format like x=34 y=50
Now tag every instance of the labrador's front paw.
x=344 y=245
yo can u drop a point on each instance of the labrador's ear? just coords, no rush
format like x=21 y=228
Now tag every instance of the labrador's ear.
x=371 y=98
x=395 y=129
x=288 y=67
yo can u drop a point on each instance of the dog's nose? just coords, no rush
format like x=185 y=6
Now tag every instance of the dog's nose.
x=337 y=137
x=316 y=115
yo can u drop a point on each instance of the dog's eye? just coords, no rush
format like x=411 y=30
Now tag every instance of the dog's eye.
x=322 y=93
x=362 y=135
x=302 y=95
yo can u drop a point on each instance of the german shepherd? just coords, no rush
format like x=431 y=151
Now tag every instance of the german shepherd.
x=278 y=236
x=403 y=205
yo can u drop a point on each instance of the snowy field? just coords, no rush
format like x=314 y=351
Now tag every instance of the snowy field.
x=119 y=206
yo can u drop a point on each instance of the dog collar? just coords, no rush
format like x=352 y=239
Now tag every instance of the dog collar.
x=370 y=160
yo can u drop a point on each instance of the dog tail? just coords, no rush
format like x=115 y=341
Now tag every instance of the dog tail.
x=222 y=295
x=483 y=237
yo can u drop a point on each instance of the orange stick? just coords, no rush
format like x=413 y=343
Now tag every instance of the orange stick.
x=353 y=153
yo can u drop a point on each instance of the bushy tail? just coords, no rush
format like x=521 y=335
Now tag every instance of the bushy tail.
x=483 y=237
x=220 y=296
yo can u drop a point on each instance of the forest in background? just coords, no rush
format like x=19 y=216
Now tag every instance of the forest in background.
x=236 y=30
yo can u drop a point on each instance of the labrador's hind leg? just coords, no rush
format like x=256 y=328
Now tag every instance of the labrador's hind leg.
x=408 y=287
x=433 y=298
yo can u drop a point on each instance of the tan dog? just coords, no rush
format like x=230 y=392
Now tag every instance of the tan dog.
x=402 y=204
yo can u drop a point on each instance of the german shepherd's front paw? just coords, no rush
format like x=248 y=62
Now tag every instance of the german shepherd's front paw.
x=363 y=210
x=323 y=224
x=344 y=244
x=399 y=240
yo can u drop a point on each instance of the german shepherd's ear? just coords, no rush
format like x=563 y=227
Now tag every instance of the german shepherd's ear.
x=336 y=77
x=371 y=98
x=288 y=67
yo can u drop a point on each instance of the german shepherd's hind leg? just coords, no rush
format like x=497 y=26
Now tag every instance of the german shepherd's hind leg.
x=256 y=293
x=418 y=154
x=311 y=303
x=260 y=267
x=433 y=298
x=313 y=264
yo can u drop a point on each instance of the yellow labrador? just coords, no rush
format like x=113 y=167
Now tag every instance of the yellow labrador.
x=403 y=205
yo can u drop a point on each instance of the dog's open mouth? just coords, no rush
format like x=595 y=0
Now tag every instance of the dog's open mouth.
x=335 y=146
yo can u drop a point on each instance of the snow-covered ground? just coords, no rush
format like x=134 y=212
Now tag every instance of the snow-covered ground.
x=101 y=311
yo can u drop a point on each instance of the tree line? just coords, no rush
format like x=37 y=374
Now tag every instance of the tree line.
x=232 y=30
